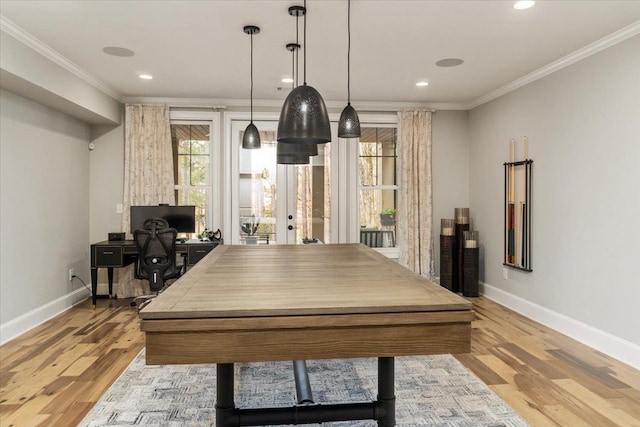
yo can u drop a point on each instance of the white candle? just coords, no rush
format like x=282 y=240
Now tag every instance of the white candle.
x=447 y=231
x=471 y=244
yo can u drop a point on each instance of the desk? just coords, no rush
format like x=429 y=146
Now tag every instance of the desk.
x=301 y=302
x=118 y=254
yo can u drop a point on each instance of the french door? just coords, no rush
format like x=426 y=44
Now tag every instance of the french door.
x=279 y=204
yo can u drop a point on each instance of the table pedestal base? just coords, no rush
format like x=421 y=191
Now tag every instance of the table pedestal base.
x=383 y=410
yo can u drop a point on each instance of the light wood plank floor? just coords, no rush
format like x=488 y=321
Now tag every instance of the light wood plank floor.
x=54 y=374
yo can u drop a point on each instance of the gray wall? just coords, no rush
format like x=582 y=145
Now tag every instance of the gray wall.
x=450 y=167
x=583 y=124
x=29 y=73
x=44 y=204
x=107 y=180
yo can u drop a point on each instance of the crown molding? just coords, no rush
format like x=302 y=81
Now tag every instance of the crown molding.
x=580 y=54
x=21 y=35
x=223 y=104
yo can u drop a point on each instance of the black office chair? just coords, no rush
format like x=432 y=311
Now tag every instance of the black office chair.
x=156 y=261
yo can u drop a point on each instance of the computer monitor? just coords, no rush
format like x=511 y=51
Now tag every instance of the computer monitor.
x=182 y=218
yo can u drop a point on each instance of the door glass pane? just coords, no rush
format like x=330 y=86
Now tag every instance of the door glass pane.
x=313 y=197
x=257 y=191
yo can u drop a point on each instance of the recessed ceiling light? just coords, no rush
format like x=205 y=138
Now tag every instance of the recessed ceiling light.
x=118 y=51
x=287 y=80
x=422 y=84
x=145 y=76
x=449 y=62
x=524 y=4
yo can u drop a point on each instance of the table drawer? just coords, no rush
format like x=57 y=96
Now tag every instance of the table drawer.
x=196 y=252
x=110 y=256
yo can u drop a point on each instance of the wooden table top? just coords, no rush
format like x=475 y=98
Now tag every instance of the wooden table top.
x=289 y=280
x=300 y=302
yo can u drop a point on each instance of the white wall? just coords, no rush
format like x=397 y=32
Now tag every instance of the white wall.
x=44 y=206
x=583 y=124
x=450 y=163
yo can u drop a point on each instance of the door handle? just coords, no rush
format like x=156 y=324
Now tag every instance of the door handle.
x=291 y=227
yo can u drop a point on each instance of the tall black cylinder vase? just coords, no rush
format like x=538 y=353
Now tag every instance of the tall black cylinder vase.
x=462 y=225
x=471 y=266
x=447 y=250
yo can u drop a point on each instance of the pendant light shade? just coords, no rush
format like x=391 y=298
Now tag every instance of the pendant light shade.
x=293 y=154
x=304 y=118
x=251 y=137
x=349 y=124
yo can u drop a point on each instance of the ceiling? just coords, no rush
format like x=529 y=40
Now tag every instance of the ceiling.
x=198 y=50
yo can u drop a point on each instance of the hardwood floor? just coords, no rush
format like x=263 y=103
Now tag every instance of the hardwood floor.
x=54 y=374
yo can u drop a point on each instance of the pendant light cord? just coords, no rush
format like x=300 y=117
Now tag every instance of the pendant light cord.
x=293 y=69
x=348 y=52
x=297 y=50
x=305 y=43
x=251 y=95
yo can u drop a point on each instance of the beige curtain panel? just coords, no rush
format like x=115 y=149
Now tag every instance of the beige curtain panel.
x=148 y=174
x=415 y=219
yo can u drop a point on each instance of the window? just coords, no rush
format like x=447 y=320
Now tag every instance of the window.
x=377 y=185
x=191 y=145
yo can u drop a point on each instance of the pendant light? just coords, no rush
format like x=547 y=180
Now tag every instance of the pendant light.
x=349 y=124
x=288 y=153
x=304 y=117
x=294 y=153
x=251 y=137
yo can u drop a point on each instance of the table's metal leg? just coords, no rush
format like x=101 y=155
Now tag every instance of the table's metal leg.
x=226 y=415
x=383 y=409
x=386 y=396
x=303 y=386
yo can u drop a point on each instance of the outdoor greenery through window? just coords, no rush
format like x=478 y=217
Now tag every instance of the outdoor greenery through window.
x=378 y=188
x=191 y=169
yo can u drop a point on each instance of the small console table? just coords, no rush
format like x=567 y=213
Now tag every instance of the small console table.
x=118 y=254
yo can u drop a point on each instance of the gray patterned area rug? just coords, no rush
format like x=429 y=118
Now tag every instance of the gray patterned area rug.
x=430 y=391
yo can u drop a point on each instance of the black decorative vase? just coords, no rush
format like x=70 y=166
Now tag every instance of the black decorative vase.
x=471 y=267
x=447 y=250
x=462 y=225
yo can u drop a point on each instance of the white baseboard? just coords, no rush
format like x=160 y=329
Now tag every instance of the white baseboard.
x=21 y=324
x=622 y=350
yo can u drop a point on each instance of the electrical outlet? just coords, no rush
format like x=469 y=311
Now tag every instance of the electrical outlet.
x=505 y=273
x=71 y=274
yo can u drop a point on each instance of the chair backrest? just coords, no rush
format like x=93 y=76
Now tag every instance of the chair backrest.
x=156 y=245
